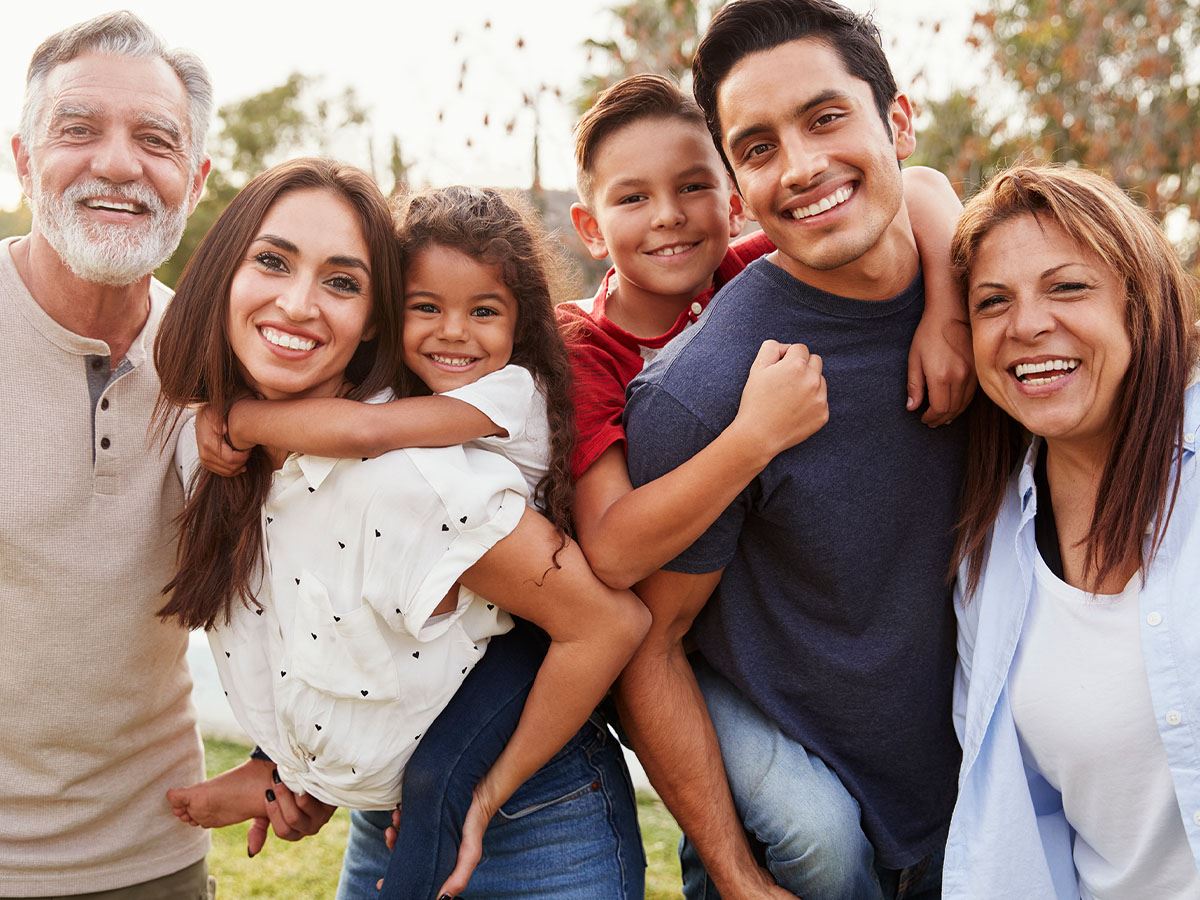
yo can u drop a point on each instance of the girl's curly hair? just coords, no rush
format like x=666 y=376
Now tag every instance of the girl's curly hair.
x=501 y=230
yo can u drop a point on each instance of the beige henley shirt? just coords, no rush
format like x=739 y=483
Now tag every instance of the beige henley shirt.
x=96 y=720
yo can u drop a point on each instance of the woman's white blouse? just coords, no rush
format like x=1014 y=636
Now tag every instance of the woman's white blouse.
x=338 y=671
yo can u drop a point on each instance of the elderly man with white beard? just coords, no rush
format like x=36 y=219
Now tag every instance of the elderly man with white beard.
x=96 y=719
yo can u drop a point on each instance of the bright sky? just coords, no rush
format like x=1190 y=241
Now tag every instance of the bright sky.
x=405 y=65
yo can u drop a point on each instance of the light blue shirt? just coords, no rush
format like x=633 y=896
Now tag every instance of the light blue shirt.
x=1008 y=835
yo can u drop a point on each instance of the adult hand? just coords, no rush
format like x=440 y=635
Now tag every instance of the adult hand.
x=216 y=453
x=291 y=817
x=470 y=848
x=941 y=364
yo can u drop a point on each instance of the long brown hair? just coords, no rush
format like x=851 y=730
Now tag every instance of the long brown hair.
x=501 y=231
x=220 y=543
x=1136 y=493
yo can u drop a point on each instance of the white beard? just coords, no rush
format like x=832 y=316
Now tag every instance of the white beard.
x=110 y=254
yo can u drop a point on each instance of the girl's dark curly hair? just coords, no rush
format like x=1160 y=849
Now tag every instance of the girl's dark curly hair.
x=501 y=230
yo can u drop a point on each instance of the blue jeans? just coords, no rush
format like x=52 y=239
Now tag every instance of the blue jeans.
x=796 y=812
x=570 y=831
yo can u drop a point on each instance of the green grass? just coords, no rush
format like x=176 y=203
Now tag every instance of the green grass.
x=308 y=870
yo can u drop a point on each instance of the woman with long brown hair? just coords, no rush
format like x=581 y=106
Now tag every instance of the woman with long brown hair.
x=1078 y=693
x=346 y=600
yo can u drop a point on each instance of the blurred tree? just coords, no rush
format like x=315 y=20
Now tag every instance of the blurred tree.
x=1111 y=86
x=15 y=221
x=655 y=36
x=398 y=168
x=956 y=137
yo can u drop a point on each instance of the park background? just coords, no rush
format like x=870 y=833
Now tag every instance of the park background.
x=487 y=94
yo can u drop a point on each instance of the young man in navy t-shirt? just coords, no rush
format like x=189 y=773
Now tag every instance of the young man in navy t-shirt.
x=826 y=653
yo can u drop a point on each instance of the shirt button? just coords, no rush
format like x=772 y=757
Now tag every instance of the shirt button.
x=1196 y=818
x=105 y=443
x=97 y=363
x=697 y=308
x=1190 y=437
x=104 y=403
x=1173 y=717
x=1154 y=619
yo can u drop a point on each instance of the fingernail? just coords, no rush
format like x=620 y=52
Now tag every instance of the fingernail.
x=275 y=776
x=270 y=796
x=911 y=403
x=250 y=853
x=445 y=897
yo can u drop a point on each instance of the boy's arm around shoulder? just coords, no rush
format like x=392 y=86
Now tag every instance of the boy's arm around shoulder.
x=666 y=719
x=941 y=367
x=629 y=533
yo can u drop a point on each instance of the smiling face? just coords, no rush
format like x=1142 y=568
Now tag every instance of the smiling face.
x=1048 y=327
x=109 y=175
x=459 y=318
x=815 y=164
x=660 y=208
x=299 y=303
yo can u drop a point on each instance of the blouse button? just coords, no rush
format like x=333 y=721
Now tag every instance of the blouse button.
x=697 y=308
x=1189 y=438
x=105 y=443
x=1173 y=717
x=1154 y=619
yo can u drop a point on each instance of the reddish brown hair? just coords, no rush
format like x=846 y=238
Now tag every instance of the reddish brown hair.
x=1137 y=492
x=220 y=543
x=501 y=231
x=630 y=100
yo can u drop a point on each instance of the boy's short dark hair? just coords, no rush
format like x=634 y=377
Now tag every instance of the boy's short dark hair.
x=629 y=100
x=744 y=27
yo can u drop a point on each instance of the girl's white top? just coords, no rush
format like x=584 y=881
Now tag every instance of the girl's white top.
x=340 y=672
x=512 y=400
x=1081 y=702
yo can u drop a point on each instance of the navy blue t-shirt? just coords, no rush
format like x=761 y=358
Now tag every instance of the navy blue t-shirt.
x=833 y=615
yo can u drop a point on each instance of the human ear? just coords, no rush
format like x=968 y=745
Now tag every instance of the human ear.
x=900 y=117
x=737 y=214
x=197 y=188
x=21 y=157
x=587 y=226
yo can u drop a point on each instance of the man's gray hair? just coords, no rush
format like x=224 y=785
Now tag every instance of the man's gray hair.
x=122 y=34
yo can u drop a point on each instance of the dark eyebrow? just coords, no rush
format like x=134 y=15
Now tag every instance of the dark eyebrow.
x=352 y=262
x=823 y=97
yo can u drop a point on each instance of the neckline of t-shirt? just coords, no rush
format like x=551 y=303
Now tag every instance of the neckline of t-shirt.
x=835 y=304
x=1062 y=590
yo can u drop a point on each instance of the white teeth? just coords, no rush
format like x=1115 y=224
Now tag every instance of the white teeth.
x=841 y=195
x=111 y=204
x=672 y=250
x=460 y=362
x=290 y=341
x=1060 y=366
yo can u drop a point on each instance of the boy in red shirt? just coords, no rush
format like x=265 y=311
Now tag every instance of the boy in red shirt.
x=655 y=197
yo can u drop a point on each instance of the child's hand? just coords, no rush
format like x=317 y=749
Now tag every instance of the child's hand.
x=784 y=400
x=216 y=453
x=941 y=365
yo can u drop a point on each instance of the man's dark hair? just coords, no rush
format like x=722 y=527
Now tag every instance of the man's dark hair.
x=751 y=26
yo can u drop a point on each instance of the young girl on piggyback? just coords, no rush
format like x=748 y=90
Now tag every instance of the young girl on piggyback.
x=479 y=334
